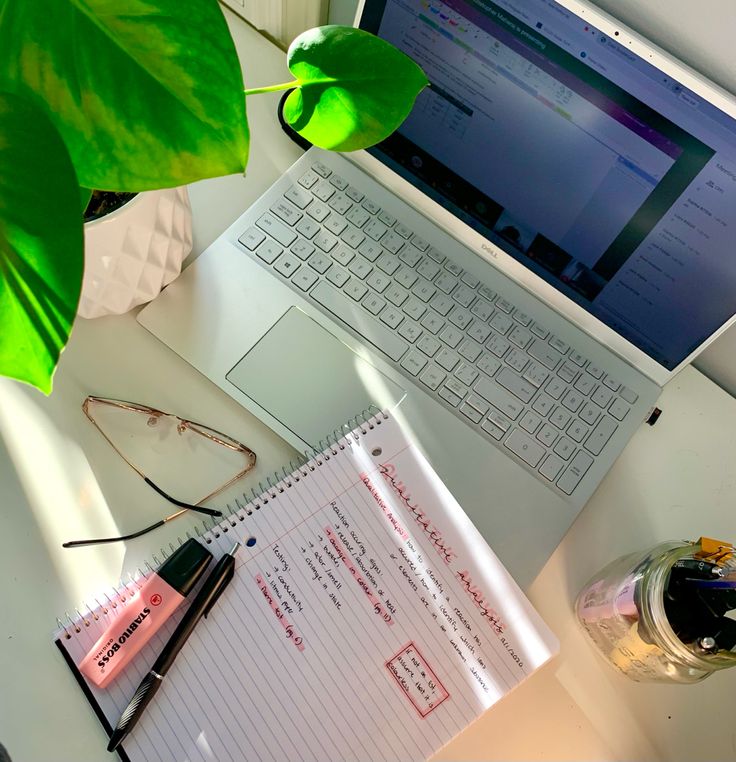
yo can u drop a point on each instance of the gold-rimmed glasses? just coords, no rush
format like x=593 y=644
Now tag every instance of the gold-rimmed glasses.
x=174 y=449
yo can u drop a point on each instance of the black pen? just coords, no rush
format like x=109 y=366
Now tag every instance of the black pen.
x=211 y=590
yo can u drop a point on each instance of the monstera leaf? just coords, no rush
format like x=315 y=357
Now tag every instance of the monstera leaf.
x=353 y=88
x=145 y=93
x=41 y=244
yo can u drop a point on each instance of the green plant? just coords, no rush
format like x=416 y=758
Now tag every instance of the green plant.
x=132 y=95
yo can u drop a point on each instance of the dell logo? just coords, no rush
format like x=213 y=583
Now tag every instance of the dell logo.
x=489 y=250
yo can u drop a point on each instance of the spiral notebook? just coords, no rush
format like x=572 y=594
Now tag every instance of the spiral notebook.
x=370 y=621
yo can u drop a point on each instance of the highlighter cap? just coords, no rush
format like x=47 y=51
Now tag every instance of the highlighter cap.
x=183 y=569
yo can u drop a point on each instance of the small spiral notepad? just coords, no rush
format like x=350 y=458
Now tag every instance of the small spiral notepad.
x=369 y=621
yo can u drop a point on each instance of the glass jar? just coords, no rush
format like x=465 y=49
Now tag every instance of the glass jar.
x=622 y=610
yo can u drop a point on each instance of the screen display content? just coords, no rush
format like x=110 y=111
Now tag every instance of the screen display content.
x=593 y=168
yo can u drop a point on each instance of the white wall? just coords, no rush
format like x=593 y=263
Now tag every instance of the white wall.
x=703 y=35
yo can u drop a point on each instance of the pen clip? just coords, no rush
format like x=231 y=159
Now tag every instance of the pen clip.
x=223 y=584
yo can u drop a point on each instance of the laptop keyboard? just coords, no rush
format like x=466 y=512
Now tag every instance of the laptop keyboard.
x=496 y=368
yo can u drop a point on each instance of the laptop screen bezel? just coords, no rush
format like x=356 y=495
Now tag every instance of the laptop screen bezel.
x=511 y=267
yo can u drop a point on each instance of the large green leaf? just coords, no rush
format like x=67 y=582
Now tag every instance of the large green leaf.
x=41 y=243
x=354 y=89
x=146 y=93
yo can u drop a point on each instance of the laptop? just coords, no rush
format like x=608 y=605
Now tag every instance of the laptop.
x=517 y=271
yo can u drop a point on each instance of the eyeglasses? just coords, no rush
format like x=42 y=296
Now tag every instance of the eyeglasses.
x=165 y=441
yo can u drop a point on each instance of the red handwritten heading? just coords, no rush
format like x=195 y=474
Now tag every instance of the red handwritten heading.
x=485 y=608
x=388 y=471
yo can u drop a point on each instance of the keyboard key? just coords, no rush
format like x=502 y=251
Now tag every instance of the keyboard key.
x=447 y=359
x=461 y=318
x=487 y=293
x=396 y=295
x=354 y=194
x=389 y=263
x=371 y=330
x=370 y=250
x=560 y=418
x=429 y=345
x=433 y=322
x=339 y=182
x=470 y=350
x=572 y=400
x=516 y=384
x=479 y=331
x=336 y=224
x=287 y=265
x=304 y=279
x=520 y=336
x=525 y=447
x=308 y=228
x=479 y=404
x=585 y=384
x=446 y=282
x=298 y=197
x=410 y=256
x=630 y=396
x=454 y=269
x=428 y=269
x=501 y=322
x=463 y=295
x=410 y=330
x=391 y=317
x=318 y=211
x=436 y=254
x=414 y=308
x=611 y=383
x=355 y=289
x=500 y=420
x=343 y=255
x=414 y=363
x=543 y=404
x=450 y=396
x=302 y=249
x=619 y=409
x=406 y=277
x=489 y=365
x=564 y=448
x=557 y=343
x=457 y=386
x=539 y=330
x=323 y=191
x=522 y=317
x=320 y=263
x=548 y=435
x=451 y=336
x=577 y=431
x=432 y=377
x=492 y=429
x=536 y=374
x=505 y=306
x=517 y=360
x=590 y=413
x=575 y=472
x=287 y=212
x=602 y=397
x=360 y=268
x=308 y=179
x=482 y=309
x=358 y=216
x=325 y=241
x=578 y=359
x=467 y=374
x=441 y=303
x=555 y=387
x=567 y=372
x=498 y=397
x=594 y=371
x=498 y=345
x=353 y=237
x=371 y=206
x=551 y=467
x=403 y=231
x=424 y=290
x=378 y=281
x=530 y=421
x=600 y=435
x=386 y=218
x=470 y=280
x=541 y=351
x=252 y=238
x=321 y=169
x=338 y=276
x=471 y=413
x=277 y=230
x=268 y=251
x=394 y=243
x=373 y=303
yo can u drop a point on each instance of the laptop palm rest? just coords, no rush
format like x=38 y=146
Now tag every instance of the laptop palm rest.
x=309 y=380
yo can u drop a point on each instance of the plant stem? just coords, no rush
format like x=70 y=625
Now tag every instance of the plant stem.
x=272 y=88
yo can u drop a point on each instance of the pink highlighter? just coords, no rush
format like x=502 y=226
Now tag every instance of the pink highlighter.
x=149 y=607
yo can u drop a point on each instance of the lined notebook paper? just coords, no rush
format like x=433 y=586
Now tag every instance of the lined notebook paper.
x=370 y=621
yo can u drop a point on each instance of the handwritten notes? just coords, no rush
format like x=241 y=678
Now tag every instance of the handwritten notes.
x=370 y=621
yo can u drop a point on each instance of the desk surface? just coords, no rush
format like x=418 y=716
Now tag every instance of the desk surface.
x=675 y=480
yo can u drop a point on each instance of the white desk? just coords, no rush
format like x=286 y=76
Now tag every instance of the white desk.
x=59 y=480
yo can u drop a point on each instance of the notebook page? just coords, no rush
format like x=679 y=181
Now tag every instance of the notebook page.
x=370 y=621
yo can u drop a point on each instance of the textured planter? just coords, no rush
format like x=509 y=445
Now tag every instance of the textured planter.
x=133 y=252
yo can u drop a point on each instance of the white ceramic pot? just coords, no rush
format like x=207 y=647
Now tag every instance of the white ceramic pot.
x=133 y=252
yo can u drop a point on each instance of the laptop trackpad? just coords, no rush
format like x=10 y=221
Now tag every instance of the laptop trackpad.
x=308 y=379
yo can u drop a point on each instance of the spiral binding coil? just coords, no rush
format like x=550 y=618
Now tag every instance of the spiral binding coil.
x=306 y=463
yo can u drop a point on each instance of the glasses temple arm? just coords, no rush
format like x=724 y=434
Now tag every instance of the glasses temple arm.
x=198 y=508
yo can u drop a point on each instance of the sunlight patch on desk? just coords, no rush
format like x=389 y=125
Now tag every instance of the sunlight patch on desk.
x=61 y=490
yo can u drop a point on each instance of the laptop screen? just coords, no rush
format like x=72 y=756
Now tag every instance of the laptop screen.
x=601 y=174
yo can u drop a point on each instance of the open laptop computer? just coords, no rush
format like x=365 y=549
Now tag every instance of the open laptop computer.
x=525 y=263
